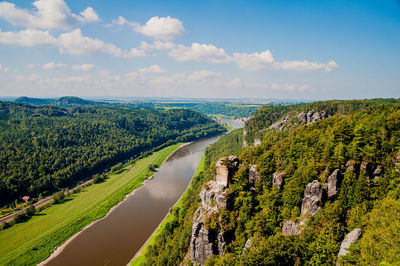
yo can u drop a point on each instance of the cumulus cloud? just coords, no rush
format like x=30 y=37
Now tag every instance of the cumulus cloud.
x=254 y=61
x=265 y=60
x=74 y=42
x=52 y=65
x=159 y=28
x=83 y=67
x=70 y=42
x=152 y=69
x=306 y=65
x=48 y=14
x=199 y=52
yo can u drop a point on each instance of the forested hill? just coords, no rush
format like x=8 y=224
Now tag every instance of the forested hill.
x=312 y=186
x=46 y=148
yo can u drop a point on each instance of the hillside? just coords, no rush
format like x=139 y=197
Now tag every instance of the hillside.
x=321 y=177
x=47 y=148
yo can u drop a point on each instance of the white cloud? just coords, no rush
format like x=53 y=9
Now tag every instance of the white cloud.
x=52 y=65
x=30 y=66
x=49 y=14
x=254 y=61
x=159 y=28
x=68 y=43
x=152 y=69
x=3 y=69
x=75 y=43
x=89 y=15
x=83 y=67
x=28 y=37
x=306 y=65
x=265 y=60
x=199 y=52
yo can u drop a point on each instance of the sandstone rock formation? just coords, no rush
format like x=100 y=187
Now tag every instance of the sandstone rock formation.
x=350 y=238
x=277 y=179
x=253 y=174
x=311 y=116
x=290 y=228
x=332 y=183
x=312 y=198
x=224 y=167
x=214 y=195
x=280 y=125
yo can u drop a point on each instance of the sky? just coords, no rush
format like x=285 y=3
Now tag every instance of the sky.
x=311 y=50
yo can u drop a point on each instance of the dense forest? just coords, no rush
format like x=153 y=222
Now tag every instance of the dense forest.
x=357 y=141
x=47 y=148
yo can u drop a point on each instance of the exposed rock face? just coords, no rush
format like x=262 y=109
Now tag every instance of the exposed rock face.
x=311 y=116
x=247 y=245
x=290 y=228
x=253 y=174
x=313 y=195
x=214 y=196
x=224 y=169
x=257 y=142
x=349 y=239
x=280 y=125
x=277 y=179
x=312 y=198
x=332 y=183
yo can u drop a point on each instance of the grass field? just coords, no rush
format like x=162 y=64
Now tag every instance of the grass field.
x=141 y=257
x=33 y=241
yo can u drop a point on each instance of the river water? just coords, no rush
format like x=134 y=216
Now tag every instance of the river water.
x=116 y=239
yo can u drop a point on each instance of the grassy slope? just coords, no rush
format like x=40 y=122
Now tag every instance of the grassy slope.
x=141 y=257
x=33 y=241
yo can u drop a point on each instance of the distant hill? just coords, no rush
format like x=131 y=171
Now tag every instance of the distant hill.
x=72 y=100
x=35 y=101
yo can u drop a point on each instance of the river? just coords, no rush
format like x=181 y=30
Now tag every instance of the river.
x=115 y=239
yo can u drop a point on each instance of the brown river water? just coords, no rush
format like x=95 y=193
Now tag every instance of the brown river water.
x=115 y=239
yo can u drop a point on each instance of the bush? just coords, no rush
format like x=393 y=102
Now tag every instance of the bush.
x=58 y=197
x=30 y=211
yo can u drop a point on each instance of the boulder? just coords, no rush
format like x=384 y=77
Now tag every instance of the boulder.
x=253 y=174
x=247 y=245
x=290 y=228
x=350 y=238
x=312 y=198
x=332 y=183
x=277 y=179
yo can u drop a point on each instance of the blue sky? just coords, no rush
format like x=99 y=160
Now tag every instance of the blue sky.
x=261 y=49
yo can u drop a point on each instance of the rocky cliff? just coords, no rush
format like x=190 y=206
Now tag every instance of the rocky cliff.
x=214 y=196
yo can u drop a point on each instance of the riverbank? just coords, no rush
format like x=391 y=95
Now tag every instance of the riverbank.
x=139 y=257
x=35 y=240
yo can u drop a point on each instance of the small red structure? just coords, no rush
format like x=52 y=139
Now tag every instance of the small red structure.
x=25 y=198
